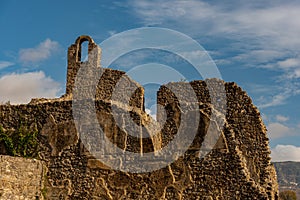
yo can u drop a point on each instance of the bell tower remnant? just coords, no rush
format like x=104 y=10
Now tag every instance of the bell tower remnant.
x=75 y=59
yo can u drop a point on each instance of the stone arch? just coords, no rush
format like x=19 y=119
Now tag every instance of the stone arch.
x=81 y=39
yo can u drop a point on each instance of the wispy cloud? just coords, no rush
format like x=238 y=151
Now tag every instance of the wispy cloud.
x=290 y=67
x=260 y=88
x=281 y=118
x=275 y=100
x=112 y=32
x=289 y=63
x=39 y=53
x=5 y=64
x=278 y=130
x=283 y=153
x=258 y=58
x=239 y=20
x=266 y=30
x=261 y=34
x=20 y=88
x=269 y=95
x=279 y=127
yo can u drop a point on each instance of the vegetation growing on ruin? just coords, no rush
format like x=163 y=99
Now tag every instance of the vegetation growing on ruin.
x=21 y=141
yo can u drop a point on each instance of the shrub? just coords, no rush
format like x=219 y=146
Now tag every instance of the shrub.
x=20 y=142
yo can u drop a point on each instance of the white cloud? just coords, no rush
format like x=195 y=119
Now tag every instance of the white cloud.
x=281 y=118
x=259 y=56
x=289 y=66
x=276 y=94
x=278 y=130
x=294 y=74
x=290 y=62
x=264 y=34
x=112 y=32
x=259 y=88
x=157 y=12
x=283 y=153
x=39 y=53
x=265 y=31
x=277 y=21
x=150 y=112
x=4 y=64
x=278 y=99
x=20 y=88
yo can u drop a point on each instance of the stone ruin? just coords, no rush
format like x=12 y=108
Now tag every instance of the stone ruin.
x=238 y=167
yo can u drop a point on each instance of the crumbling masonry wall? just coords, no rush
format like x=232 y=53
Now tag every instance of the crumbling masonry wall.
x=237 y=168
x=21 y=178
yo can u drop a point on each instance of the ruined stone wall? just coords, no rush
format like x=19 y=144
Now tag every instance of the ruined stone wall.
x=241 y=155
x=237 y=168
x=109 y=77
x=21 y=178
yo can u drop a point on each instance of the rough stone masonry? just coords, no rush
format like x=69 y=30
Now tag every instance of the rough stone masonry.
x=238 y=167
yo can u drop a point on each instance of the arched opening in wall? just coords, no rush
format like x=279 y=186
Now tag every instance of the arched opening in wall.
x=84 y=51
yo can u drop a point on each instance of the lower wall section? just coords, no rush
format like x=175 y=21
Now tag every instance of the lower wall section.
x=21 y=178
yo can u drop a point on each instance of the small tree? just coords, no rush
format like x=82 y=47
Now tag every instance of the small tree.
x=288 y=195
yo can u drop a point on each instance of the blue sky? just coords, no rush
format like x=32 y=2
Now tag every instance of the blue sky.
x=254 y=43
